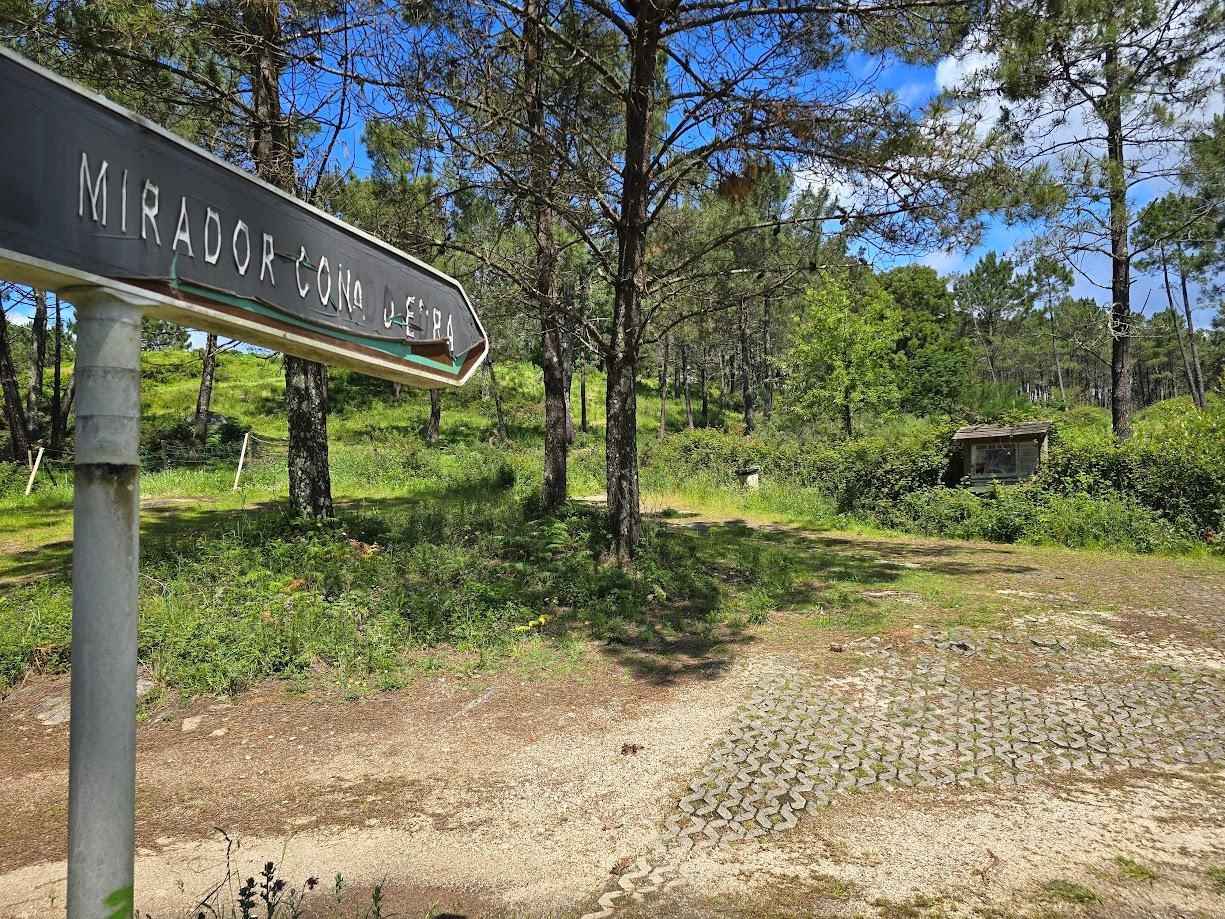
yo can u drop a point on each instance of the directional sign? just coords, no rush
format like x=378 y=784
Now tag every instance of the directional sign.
x=93 y=194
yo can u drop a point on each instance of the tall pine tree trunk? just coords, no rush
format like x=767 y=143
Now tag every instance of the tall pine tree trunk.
x=1050 y=309
x=767 y=374
x=556 y=433
x=685 y=386
x=704 y=386
x=746 y=376
x=14 y=413
x=1120 y=256
x=567 y=370
x=663 y=386
x=37 y=365
x=498 y=410
x=204 y=398
x=582 y=394
x=57 y=381
x=434 y=425
x=59 y=424
x=1177 y=326
x=1197 y=368
x=621 y=433
x=310 y=479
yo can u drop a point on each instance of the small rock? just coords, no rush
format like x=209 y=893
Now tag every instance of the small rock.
x=144 y=687
x=220 y=732
x=192 y=723
x=1042 y=641
x=55 y=710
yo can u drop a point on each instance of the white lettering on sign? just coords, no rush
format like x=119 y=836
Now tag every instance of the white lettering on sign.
x=266 y=259
x=324 y=297
x=303 y=289
x=344 y=289
x=212 y=245
x=183 y=230
x=148 y=211
x=93 y=205
x=241 y=263
x=96 y=186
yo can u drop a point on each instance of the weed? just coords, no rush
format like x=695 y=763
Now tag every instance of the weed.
x=1070 y=892
x=1134 y=870
x=1216 y=874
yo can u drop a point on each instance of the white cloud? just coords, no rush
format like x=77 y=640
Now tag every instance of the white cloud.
x=953 y=70
x=944 y=261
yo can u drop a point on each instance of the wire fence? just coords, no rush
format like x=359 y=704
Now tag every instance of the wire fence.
x=55 y=467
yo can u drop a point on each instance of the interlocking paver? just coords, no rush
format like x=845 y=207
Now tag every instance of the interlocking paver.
x=801 y=742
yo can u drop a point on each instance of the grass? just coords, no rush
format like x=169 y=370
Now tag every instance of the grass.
x=1216 y=874
x=1070 y=892
x=439 y=559
x=1134 y=870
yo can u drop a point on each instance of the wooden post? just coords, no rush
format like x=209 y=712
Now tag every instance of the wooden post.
x=34 y=471
x=242 y=457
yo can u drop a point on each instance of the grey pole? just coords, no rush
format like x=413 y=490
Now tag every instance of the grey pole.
x=105 y=560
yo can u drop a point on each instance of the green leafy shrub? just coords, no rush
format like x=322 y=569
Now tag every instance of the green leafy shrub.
x=1026 y=513
x=855 y=474
x=1161 y=491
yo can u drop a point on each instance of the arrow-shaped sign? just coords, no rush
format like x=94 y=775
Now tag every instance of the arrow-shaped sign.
x=91 y=193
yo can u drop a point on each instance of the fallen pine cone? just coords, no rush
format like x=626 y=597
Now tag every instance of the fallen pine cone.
x=835 y=647
x=622 y=866
x=630 y=749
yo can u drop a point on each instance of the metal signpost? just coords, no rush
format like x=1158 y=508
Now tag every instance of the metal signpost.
x=124 y=219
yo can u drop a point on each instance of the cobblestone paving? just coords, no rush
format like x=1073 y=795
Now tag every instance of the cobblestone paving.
x=800 y=742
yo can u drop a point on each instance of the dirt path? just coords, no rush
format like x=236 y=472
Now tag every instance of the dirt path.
x=508 y=796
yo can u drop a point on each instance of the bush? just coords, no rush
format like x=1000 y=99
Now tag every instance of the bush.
x=1161 y=491
x=855 y=474
x=1173 y=466
x=1026 y=513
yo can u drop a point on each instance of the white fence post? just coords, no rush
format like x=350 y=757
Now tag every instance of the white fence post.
x=246 y=438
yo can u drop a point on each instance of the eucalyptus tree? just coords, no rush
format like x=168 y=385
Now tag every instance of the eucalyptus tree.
x=1105 y=93
x=844 y=361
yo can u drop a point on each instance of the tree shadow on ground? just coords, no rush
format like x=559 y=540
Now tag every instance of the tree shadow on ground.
x=169 y=526
x=686 y=612
x=843 y=582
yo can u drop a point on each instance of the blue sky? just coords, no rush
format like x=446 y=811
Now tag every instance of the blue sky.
x=915 y=85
